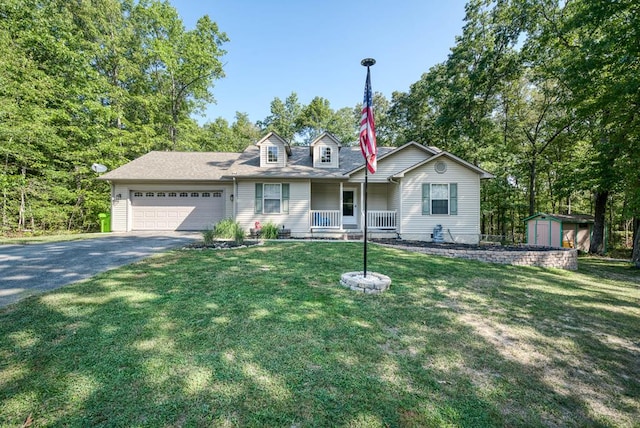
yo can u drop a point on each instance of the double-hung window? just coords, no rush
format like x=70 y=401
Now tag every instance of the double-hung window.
x=272 y=198
x=325 y=154
x=272 y=154
x=440 y=199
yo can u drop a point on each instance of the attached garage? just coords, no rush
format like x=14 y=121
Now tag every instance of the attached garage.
x=176 y=210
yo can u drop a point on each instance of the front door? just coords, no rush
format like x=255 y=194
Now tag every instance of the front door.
x=349 y=209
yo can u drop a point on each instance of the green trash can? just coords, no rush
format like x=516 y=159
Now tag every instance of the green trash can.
x=105 y=222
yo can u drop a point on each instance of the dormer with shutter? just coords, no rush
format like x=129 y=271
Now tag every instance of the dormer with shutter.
x=274 y=151
x=325 y=151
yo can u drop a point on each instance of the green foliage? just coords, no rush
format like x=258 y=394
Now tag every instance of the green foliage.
x=283 y=117
x=301 y=124
x=545 y=95
x=269 y=231
x=229 y=229
x=238 y=234
x=82 y=82
x=208 y=236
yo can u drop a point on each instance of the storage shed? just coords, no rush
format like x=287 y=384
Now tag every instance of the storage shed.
x=559 y=230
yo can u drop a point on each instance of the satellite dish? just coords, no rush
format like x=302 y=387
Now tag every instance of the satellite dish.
x=98 y=167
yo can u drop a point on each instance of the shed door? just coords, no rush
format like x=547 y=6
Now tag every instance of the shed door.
x=543 y=233
x=176 y=210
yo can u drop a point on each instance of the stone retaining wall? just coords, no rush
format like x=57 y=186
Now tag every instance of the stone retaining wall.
x=560 y=259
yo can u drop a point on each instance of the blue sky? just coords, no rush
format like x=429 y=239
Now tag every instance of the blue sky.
x=314 y=48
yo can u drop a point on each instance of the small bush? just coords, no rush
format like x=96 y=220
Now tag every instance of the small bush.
x=208 y=236
x=269 y=231
x=224 y=229
x=238 y=234
x=229 y=229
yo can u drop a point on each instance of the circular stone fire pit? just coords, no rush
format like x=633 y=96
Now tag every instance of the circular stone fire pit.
x=373 y=283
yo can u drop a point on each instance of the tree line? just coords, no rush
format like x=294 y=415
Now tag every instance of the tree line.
x=542 y=93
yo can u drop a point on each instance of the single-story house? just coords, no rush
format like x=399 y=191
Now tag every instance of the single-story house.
x=560 y=230
x=312 y=191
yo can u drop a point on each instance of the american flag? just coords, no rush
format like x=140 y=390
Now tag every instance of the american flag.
x=368 y=128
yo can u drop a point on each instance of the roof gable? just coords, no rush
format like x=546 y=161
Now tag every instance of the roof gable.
x=270 y=137
x=441 y=154
x=325 y=151
x=323 y=137
x=391 y=151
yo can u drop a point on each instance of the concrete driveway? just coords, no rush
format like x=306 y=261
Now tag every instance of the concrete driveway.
x=30 y=269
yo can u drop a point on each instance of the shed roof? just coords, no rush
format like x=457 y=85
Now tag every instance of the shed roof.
x=565 y=218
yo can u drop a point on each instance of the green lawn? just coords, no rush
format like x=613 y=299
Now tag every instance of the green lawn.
x=265 y=336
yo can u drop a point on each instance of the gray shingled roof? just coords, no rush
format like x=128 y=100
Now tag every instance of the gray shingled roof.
x=194 y=166
x=206 y=166
x=299 y=164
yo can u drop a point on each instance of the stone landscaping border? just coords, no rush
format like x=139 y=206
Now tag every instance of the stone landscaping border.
x=560 y=259
x=373 y=283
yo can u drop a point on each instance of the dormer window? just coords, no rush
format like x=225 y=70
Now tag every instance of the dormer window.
x=325 y=151
x=325 y=154
x=272 y=154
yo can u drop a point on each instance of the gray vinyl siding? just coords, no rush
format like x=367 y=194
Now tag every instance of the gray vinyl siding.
x=394 y=163
x=335 y=154
x=120 y=209
x=378 y=196
x=463 y=227
x=282 y=155
x=299 y=204
x=325 y=196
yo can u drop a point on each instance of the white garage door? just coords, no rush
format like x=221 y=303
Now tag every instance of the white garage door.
x=176 y=210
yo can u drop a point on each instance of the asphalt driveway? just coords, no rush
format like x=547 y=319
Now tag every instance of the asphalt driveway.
x=30 y=269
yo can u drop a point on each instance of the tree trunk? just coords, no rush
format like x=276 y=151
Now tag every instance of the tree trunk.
x=5 y=217
x=597 y=239
x=532 y=188
x=635 y=255
x=21 y=212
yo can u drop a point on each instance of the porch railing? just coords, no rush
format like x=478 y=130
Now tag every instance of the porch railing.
x=381 y=220
x=325 y=219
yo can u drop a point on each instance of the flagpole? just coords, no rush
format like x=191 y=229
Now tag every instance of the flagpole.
x=367 y=62
x=366 y=183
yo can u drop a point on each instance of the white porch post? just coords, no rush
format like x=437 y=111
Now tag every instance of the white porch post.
x=400 y=210
x=362 y=213
x=341 y=202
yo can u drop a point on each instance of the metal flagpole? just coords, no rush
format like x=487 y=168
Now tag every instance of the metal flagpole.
x=366 y=182
x=367 y=62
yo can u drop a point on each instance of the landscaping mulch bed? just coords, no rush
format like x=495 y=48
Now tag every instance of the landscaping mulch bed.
x=455 y=246
x=220 y=245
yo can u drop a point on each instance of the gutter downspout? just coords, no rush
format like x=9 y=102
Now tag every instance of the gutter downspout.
x=235 y=199
x=399 y=216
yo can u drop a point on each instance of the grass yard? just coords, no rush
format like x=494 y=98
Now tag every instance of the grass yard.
x=265 y=336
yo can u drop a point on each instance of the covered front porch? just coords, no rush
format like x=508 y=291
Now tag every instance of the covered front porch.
x=339 y=207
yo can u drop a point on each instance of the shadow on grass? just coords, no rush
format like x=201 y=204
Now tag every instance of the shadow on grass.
x=265 y=337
